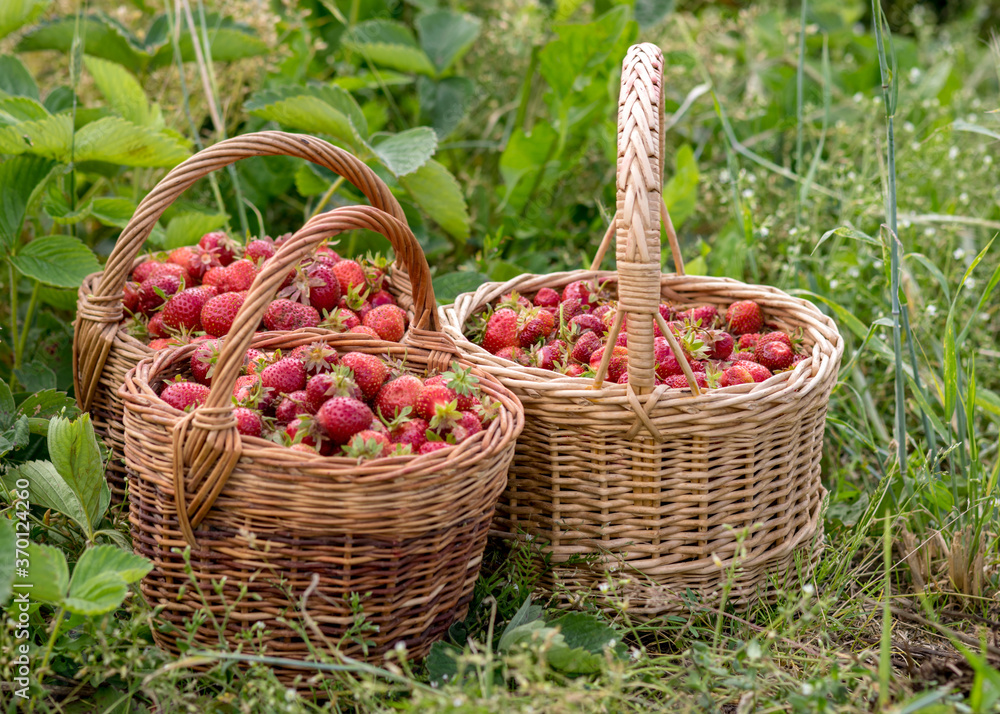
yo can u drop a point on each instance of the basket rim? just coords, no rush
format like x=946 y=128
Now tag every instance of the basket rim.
x=827 y=349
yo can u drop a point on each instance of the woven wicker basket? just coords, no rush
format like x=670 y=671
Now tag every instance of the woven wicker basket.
x=302 y=532
x=659 y=485
x=103 y=352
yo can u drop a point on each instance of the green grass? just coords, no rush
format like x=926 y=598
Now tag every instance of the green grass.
x=858 y=173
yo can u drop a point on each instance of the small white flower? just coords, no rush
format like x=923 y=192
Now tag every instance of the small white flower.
x=724 y=176
x=748 y=193
x=953 y=153
x=906 y=224
x=716 y=561
x=290 y=695
x=877 y=264
x=914 y=146
x=858 y=96
x=808 y=589
x=401 y=647
x=915 y=74
x=603 y=587
x=936 y=173
x=987 y=160
x=751 y=178
x=970 y=283
x=908 y=126
x=932 y=309
x=929 y=231
x=851 y=175
x=854 y=272
x=764 y=231
x=958 y=254
x=834 y=283
x=807 y=689
x=634 y=654
x=960 y=175
x=963 y=197
x=793 y=231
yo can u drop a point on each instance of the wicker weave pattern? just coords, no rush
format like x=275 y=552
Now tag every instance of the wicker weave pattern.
x=102 y=351
x=652 y=484
x=288 y=525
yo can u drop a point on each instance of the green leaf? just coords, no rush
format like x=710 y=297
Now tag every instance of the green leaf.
x=113 y=211
x=35 y=375
x=117 y=141
x=528 y=612
x=188 y=228
x=59 y=298
x=587 y=632
x=580 y=49
x=228 y=41
x=50 y=137
x=524 y=157
x=14 y=110
x=449 y=286
x=48 y=574
x=446 y=35
x=98 y=595
x=407 y=151
x=681 y=191
x=58 y=208
x=46 y=404
x=102 y=37
x=105 y=559
x=316 y=109
x=8 y=540
x=77 y=457
x=441 y=663
x=15 y=14
x=389 y=44
x=445 y=102
x=15 y=79
x=122 y=91
x=308 y=182
x=7 y=408
x=62 y=261
x=49 y=490
x=437 y=192
x=651 y=12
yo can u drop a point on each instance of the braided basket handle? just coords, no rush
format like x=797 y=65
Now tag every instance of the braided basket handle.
x=637 y=224
x=99 y=313
x=206 y=439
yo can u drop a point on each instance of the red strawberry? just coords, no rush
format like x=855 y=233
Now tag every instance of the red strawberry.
x=703 y=316
x=429 y=447
x=150 y=297
x=254 y=361
x=284 y=314
x=362 y=330
x=548 y=356
x=217 y=277
x=574 y=370
x=462 y=383
x=317 y=357
x=182 y=312
x=470 y=422
x=382 y=298
x=748 y=341
x=224 y=247
x=735 y=375
x=203 y=360
x=324 y=287
x=758 y=371
x=583 y=290
x=247 y=390
x=775 y=336
x=218 y=313
x=606 y=314
x=130 y=298
x=285 y=376
x=181 y=256
x=590 y=322
x=341 y=320
x=349 y=274
x=178 y=271
x=369 y=371
x=327 y=255
x=744 y=317
x=144 y=271
x=155 y=327
x=343 y=417
x=547 y=297
x=585 y=347
x=160 y=342
x=200 y=262
x=248 y=421
x=368 y=444
x=239 y=276
x=290 y=407
x=388 y=321
x=429 y=397
x=396 y=395
x=679 y=381
x=741 y=356
x=300 y=431
x=774 y=355
x=184 y=395
x=720 y=344
x=337 y=383
x=570 y=308
x=501 y=331
x=617 y=365
x=257 y=251
x=535 y=326
x=515 y=354
x=413 y=432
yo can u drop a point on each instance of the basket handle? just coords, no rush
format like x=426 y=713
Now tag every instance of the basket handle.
x=206 y=440
x=637 y=223
x=99 y=313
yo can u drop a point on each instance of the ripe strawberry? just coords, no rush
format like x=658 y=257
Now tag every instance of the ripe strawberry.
x=203 y=361
x=397 y=395
x=341 y=320
x=430 y=397
x=327 y=254
x=413 y=433
x=301 y=431
x=247 y=391
x=704 y=316
x=679 y=381
x=388 y=321
x=285 y=376
x=317 y=357
x=622 y=339
x=758 y=371
x=239 y=276
x=775 y=336
x=342 y=417
x=182 y=312
x=130 y=298
x=154 y=291
x=606 y=314
x=362 y=330
x=257 y=251
x=570 y=308
x=547 y=297
x=349 y=274
x=382 y=298
x=218 y=313
x=720 y=344
x=590 y=322
x=744 y=317
x=254 y=361
x=574 y=370
x=200 y=262
x=184 y=395
x=515 y=301
x=547 y=356
x=501 y=331
x=144 y=270
x=462 y=383
x=583 y=290
x=248 y=421
x=155 y=327
x=181 y=256
x=224 y=247
x=774 y=355
x=515 y=354
x=369 y=371
x=534 y=326
x=429 y=447
x=735 y=375
x=160 y=342
x=470 y=422
x=368 y=444
x=741 y=356
x=290 y=406
x=585 y=347
x=339 y=382
x=617 y=365
x=284 y=314
x=748 y=341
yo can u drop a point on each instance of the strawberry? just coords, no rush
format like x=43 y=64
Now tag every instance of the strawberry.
x=679 y=381
x=239 y=276
x=574 y=370
x=570 y=308
x=337 y=383
x=154 y=291
x=388 y=321
x=748 y=341
x=758 y=371
x=775 y=336
x=368 y=444
x=327 y=254
x=740 y=356
x=463 y=383
x=396 y=395
x=248 y=421
x=248 y=392
x=285 y=376
x=362 y=330
x=590 y=322
x=257 y=251
x=585 y=347
x=702 y=316
x=284 y=314
x=341 y=320
x=144 y=270
x=184 y=395
x=178 y=271
x=412 y=433
x=217 y=277
x=182 y=312
x=181 y=256
x=349 y=274
x=774 y=355
x=515 y=301
x=548 y=356
x=606 y=314
x=160 y=342
x=254 y=361
x=547 y=297
x=720 y=344
x=429 y=447
x=342 y=417
x=617 y=365
x=583 y=290
x=317 y=357
x=200 y=262
x=224 y=247
x=622 y=339
x=744 y=317
x=515 y=354
x=301 y=431
x=290 y=407
x=218 y=313
x=501 y=331
x=470 y=422
x=535 y=325
x=382 y=298
x=155 y=327
x=130 y=297
x=429 y=398
x=203 y=361
x=735 y=375
x=369 y=371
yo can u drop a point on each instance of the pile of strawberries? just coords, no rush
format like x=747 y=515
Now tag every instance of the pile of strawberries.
x=195 y=292
x=567 y=333
x=317 y=400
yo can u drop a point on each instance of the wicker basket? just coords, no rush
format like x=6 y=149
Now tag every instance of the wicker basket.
x=658 y=485
x=302 y=532
x=103 y=352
